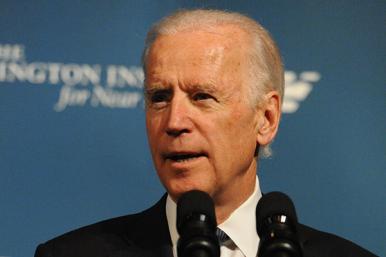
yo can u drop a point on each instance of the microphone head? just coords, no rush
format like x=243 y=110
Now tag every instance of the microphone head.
x=273 y=204
x=196 y=224
x=194 y=203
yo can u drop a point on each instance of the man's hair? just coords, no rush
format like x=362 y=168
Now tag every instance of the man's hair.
x=265 y=65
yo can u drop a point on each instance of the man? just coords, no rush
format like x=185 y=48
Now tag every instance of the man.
x=213 y=89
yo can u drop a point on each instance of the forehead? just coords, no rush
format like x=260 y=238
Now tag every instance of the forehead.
x=198 y=46
x=197 y=51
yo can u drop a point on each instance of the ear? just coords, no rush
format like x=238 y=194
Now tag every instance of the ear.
x=269 y=116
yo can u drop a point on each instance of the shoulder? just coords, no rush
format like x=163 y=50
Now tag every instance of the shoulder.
x=96 y=239
x=321 y=244
x=121 y=234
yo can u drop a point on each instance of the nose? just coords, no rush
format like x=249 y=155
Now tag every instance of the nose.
x=178 y=119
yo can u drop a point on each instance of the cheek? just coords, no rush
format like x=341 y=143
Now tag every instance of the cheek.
x=223 y=135
x=235 y=124
x=153 y=123
x=240 y=131
x=152 y=130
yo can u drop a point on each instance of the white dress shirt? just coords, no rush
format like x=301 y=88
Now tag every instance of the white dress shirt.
x=240 y=227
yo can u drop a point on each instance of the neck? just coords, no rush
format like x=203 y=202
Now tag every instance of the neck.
x=224 y=207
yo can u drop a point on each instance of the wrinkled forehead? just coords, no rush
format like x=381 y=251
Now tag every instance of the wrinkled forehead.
x=213 y=44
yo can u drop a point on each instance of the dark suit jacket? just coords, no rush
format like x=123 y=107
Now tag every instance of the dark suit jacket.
x=146 y=234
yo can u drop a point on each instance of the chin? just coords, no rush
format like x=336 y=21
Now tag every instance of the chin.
x=179 y=189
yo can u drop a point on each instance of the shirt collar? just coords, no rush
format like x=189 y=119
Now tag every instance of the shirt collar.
x=240 y=226
x=171 y=215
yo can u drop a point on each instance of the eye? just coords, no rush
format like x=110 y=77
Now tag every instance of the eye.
x=202 y=96
x=159 y=96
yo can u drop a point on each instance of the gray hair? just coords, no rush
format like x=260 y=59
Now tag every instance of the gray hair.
x=266 y=68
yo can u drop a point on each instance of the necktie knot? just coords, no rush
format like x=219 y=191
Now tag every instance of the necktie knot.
x=222 y=236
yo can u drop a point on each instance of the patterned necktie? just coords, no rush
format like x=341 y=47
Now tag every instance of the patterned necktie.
x=222 y=236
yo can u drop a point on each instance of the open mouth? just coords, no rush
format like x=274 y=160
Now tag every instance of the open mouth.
x=183 y=157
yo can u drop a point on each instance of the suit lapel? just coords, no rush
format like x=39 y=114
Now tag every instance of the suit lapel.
x=148 y=234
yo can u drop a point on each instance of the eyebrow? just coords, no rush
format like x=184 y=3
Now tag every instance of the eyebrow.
x=208 y=87
x=150 y=89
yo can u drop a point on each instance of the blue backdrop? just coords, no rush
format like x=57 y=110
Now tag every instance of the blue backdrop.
x=73 y=148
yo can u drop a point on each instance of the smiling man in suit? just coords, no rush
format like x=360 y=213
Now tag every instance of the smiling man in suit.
x=214 y=84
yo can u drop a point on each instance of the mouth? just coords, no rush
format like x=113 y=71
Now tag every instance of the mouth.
x=182 y=156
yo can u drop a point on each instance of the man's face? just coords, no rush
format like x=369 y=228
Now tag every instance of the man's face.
x=200 y=125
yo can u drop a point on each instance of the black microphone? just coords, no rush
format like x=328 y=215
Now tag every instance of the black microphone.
x=196 y=224
x=276 y=225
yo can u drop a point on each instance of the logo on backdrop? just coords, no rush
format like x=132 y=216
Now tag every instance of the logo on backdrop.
x=110 y=86
x=297 y=88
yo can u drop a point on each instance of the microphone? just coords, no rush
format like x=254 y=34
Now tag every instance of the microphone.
x=276 y=225
x=196 y=224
